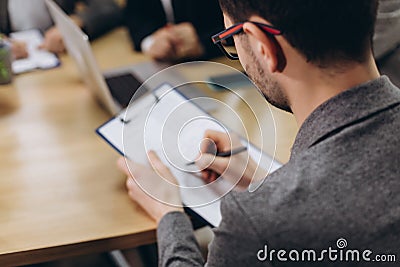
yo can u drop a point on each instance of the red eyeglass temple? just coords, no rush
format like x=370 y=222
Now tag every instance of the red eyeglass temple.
x=230 y=31
x=239 y=26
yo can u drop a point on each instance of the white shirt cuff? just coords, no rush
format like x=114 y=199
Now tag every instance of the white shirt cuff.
x=147 y=43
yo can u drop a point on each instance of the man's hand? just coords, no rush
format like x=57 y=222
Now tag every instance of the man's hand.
x=19 y=49
x=53 y=41
x=189 y=45
x=156 y=191
x=175 y=42
x=163 y=45
x=239 y=169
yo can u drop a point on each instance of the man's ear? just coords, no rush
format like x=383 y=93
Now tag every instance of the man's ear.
x=266 y=47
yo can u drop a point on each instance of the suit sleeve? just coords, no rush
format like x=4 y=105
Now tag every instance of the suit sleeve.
x=235 y=243
x=236 y=240
x=177 y=245
x=142 y=18
x=100 y=16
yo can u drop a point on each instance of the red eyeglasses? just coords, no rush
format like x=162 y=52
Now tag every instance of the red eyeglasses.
x=224 y=40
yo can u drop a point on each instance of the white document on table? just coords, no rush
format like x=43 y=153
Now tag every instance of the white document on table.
x=37 y=59
x=171 y=125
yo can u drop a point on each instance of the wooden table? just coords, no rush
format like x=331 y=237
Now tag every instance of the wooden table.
x=60 y=192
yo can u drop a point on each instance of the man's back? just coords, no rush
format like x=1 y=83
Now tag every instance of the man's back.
x=340 y=184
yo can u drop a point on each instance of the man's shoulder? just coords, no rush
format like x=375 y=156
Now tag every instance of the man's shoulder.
x=344 y=182
x=345 y=185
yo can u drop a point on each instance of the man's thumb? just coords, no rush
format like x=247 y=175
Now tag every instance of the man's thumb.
x=212 y=162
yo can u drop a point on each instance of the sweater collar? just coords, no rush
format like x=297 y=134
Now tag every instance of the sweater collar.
x=344 y=109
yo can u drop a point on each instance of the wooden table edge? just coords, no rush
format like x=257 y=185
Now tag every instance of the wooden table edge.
x=81 y=248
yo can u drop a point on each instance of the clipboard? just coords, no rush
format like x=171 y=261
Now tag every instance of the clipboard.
x=167 y=122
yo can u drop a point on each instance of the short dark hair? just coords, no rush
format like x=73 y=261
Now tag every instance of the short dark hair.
x=324 y=31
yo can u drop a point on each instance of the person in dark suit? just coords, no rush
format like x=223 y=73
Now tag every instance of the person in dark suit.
x=95 y=17
x=173 y=30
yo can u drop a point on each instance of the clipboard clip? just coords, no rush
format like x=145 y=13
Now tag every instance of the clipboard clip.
x=124 y=121
x=157 y=100
x=156 y=97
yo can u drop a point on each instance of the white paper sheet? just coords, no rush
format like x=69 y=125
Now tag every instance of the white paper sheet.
x=173 y=127
x=37 y=59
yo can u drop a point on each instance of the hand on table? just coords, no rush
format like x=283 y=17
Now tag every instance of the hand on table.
x=163 y=44
x=53 y=41
x=175 y=42
x=19 y=49
x=239 y=169
x=189 y=45
x=155 y=190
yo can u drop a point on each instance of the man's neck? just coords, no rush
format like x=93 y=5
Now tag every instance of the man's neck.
x=319 y=86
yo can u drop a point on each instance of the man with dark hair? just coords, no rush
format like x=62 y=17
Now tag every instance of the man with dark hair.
x=336 y=202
